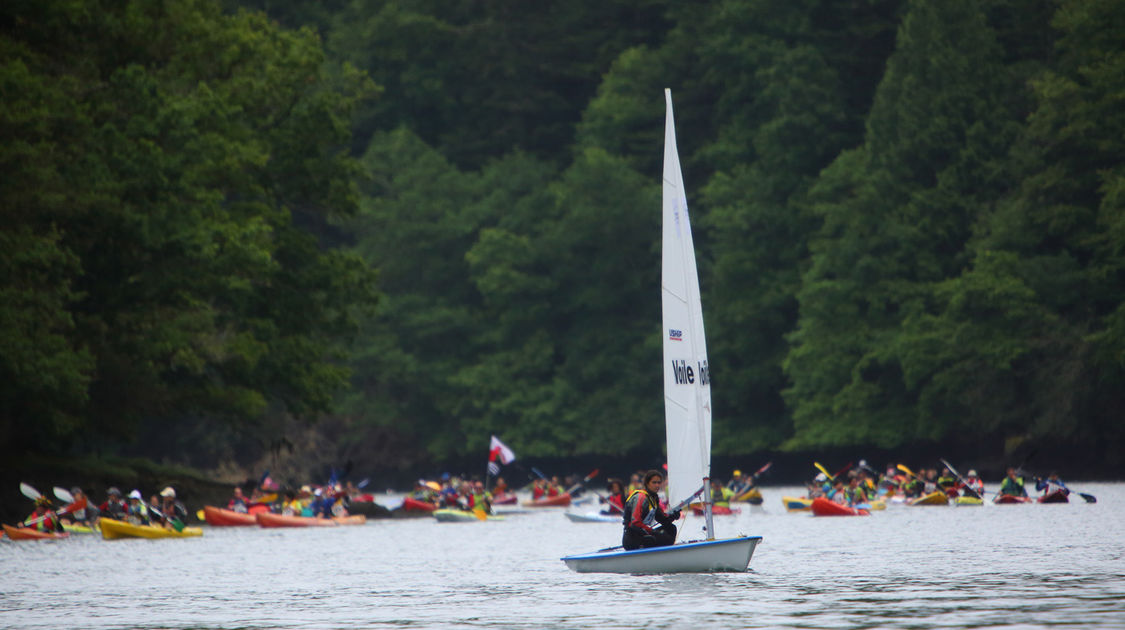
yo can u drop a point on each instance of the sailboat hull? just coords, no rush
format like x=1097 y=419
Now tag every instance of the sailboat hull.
x=709 y=556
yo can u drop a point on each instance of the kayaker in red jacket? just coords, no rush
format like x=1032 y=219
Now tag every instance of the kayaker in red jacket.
x=646 y=525
x=43 y=518
x=615 y=501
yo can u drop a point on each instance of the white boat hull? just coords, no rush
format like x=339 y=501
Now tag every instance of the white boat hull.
x=594 y=517
x=728 y=555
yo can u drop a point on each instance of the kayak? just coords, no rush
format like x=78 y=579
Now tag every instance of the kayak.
x=414 y=505
x=876 y=504
x=113 y=529
x=593 y=517
x=223 y=517
x=73 y=528
x=796 y=504
x=753 y=496
x=968 y=501
x=1009 y=499
x=507 y=498
x=1058 y=496
x=451 y=515
x=825 y=507
x=370 y=509
x=561 y=500
x=937 y=497
x=27 y=533
x=717 y=510
x=267 y=519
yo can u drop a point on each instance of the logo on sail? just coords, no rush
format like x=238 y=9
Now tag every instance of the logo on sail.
x=675 y=335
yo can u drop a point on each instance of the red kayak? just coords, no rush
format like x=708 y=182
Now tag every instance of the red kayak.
x=824 y=507
x=561 y=500
x=223 y=517
x=717 y=510
x=414 y=505
x=1009 y=499
x=27 y=533
x=507 y=498
x=1058 y=496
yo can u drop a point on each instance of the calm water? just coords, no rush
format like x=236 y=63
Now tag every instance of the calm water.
x=933 y=567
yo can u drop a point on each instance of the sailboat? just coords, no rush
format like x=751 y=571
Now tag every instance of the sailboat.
x=687 y=401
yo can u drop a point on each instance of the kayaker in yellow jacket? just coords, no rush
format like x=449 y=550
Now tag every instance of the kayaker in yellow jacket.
x=720 y=496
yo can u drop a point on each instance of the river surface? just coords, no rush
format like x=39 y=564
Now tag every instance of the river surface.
x=1020 y=566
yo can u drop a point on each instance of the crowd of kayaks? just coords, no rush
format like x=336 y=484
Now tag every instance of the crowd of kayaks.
x=822 y=506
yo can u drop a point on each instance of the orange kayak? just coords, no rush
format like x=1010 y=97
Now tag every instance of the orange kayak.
x=561 y=500
x=266 y=519
x=825 y=507
x=717 y=510
x=26 y=533
x=227 y=518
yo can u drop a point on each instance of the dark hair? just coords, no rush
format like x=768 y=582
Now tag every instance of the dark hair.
x=652 y=473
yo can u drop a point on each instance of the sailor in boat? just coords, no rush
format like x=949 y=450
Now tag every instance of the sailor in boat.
x=646 y=525
x=855 y=494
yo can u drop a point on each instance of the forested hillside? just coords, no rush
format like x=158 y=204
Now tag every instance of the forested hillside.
x=419 y=223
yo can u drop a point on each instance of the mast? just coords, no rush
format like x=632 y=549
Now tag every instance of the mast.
x=687 y=379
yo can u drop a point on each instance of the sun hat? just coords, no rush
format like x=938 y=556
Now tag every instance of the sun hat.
x=972 y=473
x=113 y=491
x=135 y=494
x=168 y=492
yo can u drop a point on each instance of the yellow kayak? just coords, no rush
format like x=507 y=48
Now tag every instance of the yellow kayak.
x=752 y=496
x=796 y=504
x=112 y=529
x=968 y=501
x=77 y=529
x=936 y=497
x=877 y=504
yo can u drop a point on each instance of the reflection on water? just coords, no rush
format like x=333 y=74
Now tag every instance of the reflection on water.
x=925 y=567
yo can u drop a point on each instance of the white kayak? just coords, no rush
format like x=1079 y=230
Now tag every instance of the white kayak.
x=728 y=555
x=593 y=517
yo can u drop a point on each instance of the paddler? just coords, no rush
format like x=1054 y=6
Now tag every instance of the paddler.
x=480 y=499
x=171 y=508
x=136 y=512
x=114 y=506
x=1013 y=484
x=720 y=496
x=973 y=486
x=646 y=525
x=737 y=484
x=947 y=482
x=81 y=510
x=238 y=501
x=1051 y=485
x=615 y=499
x=855 y=493
x=43 y=518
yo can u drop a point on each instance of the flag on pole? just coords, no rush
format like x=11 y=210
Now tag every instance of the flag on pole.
x=497 y=450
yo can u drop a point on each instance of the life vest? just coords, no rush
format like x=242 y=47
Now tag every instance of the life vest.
x=638 y=515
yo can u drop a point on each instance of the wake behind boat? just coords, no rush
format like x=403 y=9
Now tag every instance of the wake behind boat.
x=687 y=400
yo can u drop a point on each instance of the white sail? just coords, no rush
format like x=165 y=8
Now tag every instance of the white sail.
x=687 y=381
x=687 y=401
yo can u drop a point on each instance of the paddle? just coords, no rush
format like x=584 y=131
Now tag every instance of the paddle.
x=824 y=470
x=29 y=492
x=584 y=481
x=956 y=474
